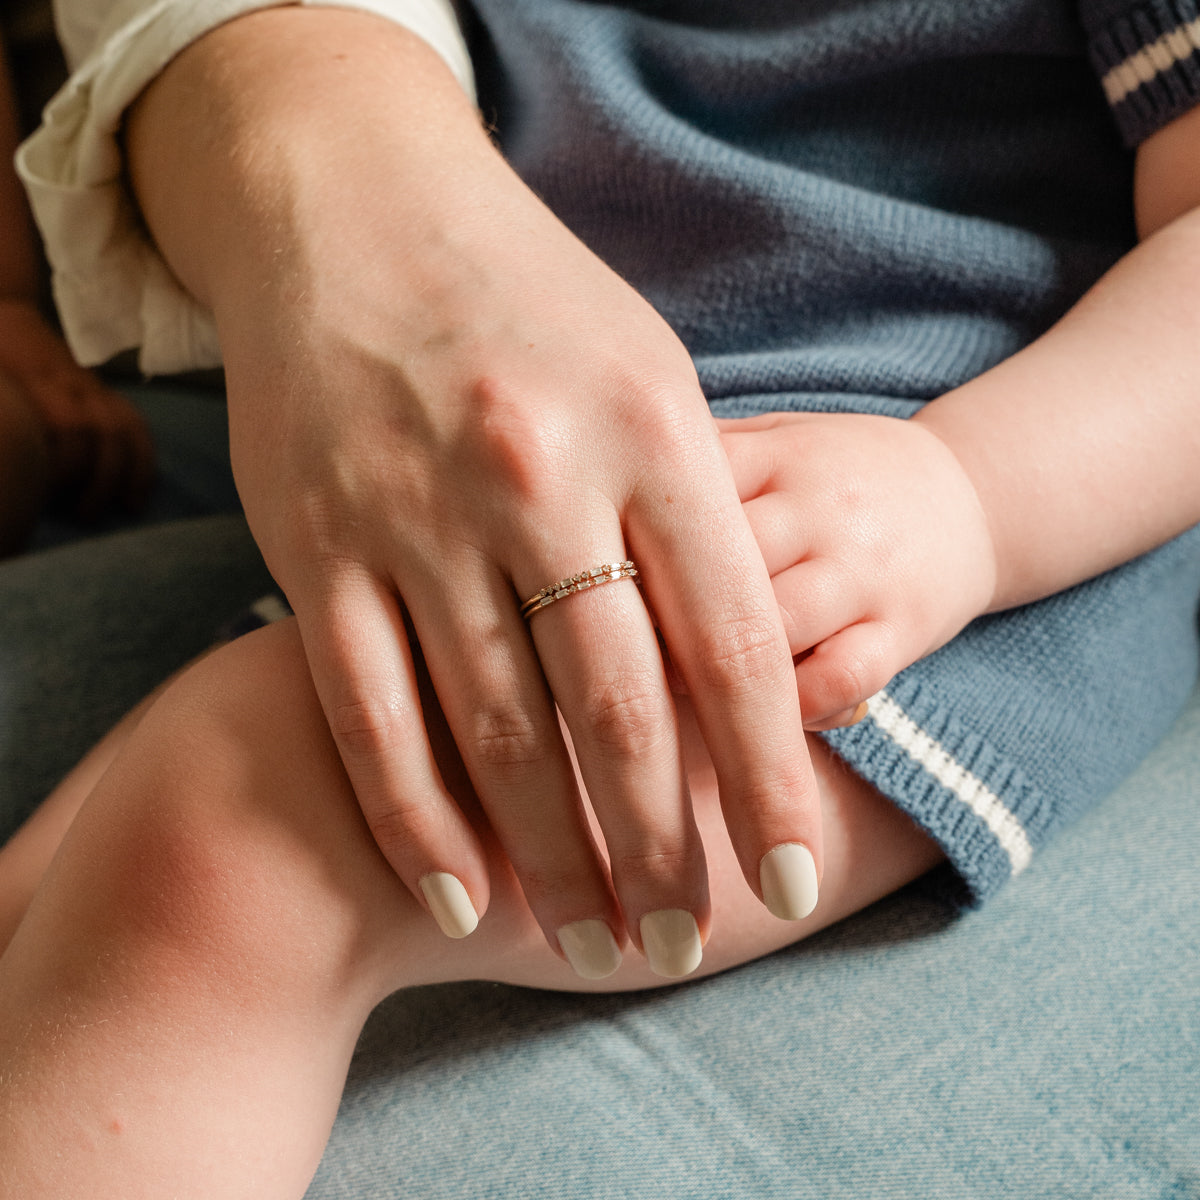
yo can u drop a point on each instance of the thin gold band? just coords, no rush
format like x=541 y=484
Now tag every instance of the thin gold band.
x=594 y=577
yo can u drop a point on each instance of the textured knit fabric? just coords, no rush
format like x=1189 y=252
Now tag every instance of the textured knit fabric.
x=1148 y=57
x=858 y=206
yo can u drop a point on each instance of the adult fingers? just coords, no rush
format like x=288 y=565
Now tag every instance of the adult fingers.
x=502 y=716
x=140 y=455
x=101 y=449
x=358 y=649
x=122 y=468
x=598 y=649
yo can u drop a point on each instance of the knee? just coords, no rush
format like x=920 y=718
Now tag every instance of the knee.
x=219 y=850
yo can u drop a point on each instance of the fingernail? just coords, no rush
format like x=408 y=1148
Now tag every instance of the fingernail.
x=590 y=948
x=788 y=878
x=671 y=940
x=858 y=714
x=449 y=903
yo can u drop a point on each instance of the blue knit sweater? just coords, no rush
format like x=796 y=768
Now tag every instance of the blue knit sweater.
x=858 y=205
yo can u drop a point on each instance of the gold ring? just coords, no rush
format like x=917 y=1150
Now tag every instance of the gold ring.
x=604 y=573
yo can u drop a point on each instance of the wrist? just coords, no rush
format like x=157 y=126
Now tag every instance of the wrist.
x=990 y=569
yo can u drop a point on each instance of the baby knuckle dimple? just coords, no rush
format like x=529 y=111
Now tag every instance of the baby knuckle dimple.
x=846 y=678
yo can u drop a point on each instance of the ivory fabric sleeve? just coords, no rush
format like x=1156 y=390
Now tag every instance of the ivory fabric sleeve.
x=112 y=288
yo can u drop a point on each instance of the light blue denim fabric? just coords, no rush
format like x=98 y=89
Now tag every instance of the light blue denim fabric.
x=88 y=629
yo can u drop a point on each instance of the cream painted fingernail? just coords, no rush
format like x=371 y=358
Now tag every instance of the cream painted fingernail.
x=590 y=948
x=449 y=903
x=671 y=940
x=788 y=878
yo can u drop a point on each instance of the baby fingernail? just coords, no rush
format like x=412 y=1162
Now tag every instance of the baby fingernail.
x=449 y=903
x=590 y=948
x=788 y=878
x=671 y=940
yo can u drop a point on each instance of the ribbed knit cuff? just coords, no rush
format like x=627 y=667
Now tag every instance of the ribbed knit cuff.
x=1148 y=60
x=986 y=814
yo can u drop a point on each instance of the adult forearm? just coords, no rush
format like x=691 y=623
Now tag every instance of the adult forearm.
x=268 y=128
x=1084 y=447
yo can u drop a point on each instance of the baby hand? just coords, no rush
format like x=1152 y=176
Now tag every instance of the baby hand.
x=99 y=449
x=877 y=544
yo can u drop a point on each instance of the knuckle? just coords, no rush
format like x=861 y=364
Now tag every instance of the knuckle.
x=657 y=868
x=625 y=715
x=846 y=679
x=504 y=740
x=741 y=654
x=399 y=827
x=672 y=424
x=773 y=797
x=366 y=728
x=518 y=439
x=549 y=879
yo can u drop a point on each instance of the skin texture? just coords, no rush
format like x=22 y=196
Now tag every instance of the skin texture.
x=417 y=441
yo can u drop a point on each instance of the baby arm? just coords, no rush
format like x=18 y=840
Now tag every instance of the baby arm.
x=886 y=537
x=1083 y=447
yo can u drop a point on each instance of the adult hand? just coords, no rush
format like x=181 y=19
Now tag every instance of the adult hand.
x=441 y=402
x=876 y=541
x=99 y=450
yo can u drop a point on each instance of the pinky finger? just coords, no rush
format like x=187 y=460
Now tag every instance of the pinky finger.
x=142 y=465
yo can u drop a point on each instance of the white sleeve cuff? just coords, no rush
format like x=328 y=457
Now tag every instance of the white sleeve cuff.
x=112 y=288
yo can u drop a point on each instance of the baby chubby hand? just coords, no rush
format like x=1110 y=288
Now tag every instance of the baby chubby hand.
x=875 y=539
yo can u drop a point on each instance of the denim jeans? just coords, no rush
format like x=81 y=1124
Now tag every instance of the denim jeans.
x=1047 y=1045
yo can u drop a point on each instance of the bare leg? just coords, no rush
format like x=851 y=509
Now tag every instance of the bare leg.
x=195 y=969
x=26 y=856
